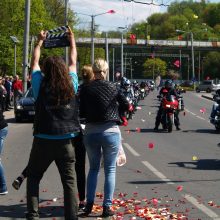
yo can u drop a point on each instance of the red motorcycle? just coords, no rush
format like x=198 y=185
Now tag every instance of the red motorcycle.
x=169 y=109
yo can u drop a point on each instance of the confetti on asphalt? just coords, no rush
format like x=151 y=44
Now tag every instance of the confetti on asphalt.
x=202 y=110
x=184 y=113
x=151 y=145
x=179 y=188
x=138 y=107
x=149 y=113
x=54 y=199
x=194 y=158
x=44 y=190
x=128 y=131
x=138 y=129
x=154 y=201
x=142 y=120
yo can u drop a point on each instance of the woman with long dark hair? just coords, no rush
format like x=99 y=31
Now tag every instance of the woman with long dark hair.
x=56 y=125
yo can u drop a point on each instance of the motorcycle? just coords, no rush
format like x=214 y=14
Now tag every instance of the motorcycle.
x=215 y=115
x=169 y=107
x=142 y=93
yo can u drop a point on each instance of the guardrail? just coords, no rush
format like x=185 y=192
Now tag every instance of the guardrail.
x=170 y=43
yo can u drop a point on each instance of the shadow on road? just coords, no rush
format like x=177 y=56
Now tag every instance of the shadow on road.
x=202 y=131
x=140 y=182
x=18 y=211
x=204 y=164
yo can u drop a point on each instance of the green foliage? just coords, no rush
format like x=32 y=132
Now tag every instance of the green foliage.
x=212 y=65
x=153 y=67
x=45 y=14
x=211 y=14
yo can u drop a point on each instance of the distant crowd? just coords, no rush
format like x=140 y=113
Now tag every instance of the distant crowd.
x=11 y=89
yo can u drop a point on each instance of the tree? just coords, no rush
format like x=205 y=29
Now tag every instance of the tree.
x=153 y=67
x=212 y=65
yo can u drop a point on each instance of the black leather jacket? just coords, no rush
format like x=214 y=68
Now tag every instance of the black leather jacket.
x=100 y=100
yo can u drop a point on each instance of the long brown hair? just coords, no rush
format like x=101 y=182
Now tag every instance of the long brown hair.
x=57 y=79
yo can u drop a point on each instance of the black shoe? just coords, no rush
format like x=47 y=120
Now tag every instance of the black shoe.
x=88 y=209
x=156 y=129
x=107 y=211
x=17 y=183
x=178 y=128
x=81 y=206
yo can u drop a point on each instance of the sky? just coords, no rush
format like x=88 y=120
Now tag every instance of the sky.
x=126 y=13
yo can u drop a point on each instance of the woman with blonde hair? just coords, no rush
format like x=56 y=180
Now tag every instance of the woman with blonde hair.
x=87 y=73
x=99 y=106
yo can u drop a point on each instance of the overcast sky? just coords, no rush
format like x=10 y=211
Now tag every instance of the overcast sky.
x=126 y=14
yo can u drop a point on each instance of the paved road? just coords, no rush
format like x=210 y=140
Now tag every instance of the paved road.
x=181 y=172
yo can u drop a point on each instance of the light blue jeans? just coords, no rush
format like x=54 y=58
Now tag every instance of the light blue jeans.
x=106 y=143
x=3 y=134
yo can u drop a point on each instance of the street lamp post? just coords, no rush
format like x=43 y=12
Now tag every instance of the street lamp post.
x=93 y=30
x=15 y=41
x=122 y=51
x=66 y=23
x=192 y=54
x=26 y=43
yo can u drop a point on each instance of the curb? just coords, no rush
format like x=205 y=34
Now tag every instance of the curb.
x=207 y=97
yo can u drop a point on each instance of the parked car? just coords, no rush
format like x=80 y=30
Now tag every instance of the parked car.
x=24 y=107
x=187 y=84
x=207 y=86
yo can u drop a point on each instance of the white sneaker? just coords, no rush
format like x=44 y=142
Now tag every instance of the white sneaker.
x=4 y=193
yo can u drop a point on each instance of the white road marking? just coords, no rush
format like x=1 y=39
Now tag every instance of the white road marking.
x=203 y=208
x=157 y=173
x=191 y=199
x=200 y=117
x=135 y=153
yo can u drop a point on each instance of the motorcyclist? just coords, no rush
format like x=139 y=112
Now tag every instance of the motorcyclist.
x=216 y=105
x=167 y=90
x=127 y=91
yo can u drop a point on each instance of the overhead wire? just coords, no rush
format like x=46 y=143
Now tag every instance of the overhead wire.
x=148 y=3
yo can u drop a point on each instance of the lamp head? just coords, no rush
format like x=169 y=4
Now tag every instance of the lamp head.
x=14 y=39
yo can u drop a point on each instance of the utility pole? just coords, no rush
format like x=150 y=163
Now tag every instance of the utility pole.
x=106 y=53
x=26 y=43
x=193 y=66
x=66 y=23
x=113 y=64
x=122 y=55
x=92 y=39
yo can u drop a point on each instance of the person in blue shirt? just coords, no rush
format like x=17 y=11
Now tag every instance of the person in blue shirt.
x=56 y=124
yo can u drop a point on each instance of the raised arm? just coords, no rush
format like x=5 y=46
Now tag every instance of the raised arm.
x=73 y=52
x=36 y=54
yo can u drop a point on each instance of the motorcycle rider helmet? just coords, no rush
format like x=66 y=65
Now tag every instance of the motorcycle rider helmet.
x=168 y=84
x=125 y=82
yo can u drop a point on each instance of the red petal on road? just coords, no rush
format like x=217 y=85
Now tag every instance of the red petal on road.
x=154 y=201
x=203 y=110
x=44 y=190
x=179 y=188
x=138 y=129
x=184 y=113
x=151 y=145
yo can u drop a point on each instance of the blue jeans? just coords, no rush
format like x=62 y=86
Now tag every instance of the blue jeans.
x=96 y=145
x=3 y=134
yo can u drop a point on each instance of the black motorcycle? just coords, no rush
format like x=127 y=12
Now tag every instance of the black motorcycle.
x=215 y=115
